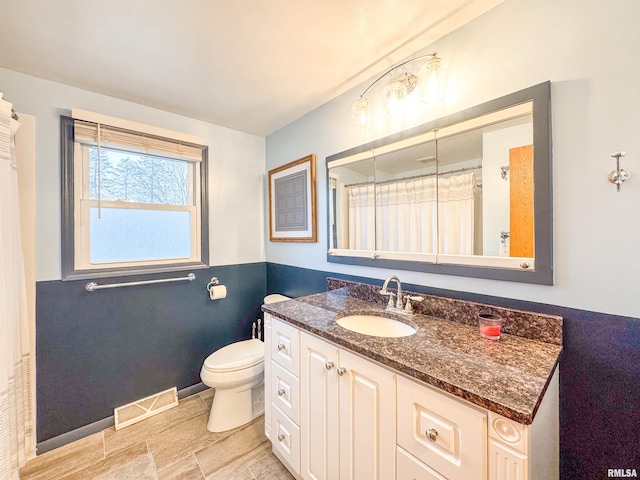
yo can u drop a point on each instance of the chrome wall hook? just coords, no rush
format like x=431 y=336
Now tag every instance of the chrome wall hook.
x=619 y=175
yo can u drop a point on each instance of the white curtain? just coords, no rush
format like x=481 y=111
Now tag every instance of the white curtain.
x=456 y=214
x=406 y=212
x=16 y=414
x=362 y=224
x=411 y=214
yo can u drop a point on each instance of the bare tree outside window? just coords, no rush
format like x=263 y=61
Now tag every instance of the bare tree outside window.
x=135 y=178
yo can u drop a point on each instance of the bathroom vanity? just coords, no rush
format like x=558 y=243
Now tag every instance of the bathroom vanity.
x=443 y=403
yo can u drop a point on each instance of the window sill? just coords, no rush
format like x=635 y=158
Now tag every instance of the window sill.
x=123 y=272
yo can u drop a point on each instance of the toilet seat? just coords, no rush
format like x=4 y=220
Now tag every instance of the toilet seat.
x=237 y=356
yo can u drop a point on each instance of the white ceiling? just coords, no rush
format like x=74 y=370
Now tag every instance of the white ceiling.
x=250 y=65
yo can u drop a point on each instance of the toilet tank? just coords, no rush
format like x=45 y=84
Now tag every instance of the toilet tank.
x=275 y=297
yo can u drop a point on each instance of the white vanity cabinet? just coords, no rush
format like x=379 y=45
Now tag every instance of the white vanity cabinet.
x=282 y=390
x=347 y=423
x=334 y=415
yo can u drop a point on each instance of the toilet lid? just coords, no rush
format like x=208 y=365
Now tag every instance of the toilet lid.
x=275 y=297
x=236 y=356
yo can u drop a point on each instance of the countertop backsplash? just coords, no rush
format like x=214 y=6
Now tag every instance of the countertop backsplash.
x=535 y=326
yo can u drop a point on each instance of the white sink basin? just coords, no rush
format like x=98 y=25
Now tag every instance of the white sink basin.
x=376 y=325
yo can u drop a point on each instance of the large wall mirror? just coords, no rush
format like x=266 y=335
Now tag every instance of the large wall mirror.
x=468 y=194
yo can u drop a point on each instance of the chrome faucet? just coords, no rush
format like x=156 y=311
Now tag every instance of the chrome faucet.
x=390 y=305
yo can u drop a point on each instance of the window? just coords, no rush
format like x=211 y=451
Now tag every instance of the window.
x=133 y=202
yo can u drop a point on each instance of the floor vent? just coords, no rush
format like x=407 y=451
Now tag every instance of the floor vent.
x=146 y=407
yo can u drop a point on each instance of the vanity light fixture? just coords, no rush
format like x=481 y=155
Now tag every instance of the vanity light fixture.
x=428 y=82
x=619 y=175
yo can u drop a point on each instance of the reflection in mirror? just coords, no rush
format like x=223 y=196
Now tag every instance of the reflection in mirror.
x=351 y=205
x=406 y=200
x=479 y=212
x=461 y=195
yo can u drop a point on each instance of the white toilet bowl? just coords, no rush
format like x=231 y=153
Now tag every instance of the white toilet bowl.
x=237 y=374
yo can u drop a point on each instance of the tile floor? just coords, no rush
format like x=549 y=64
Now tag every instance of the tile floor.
x=169 y=446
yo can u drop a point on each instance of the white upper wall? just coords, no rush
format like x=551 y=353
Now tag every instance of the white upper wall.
x=236 y=169
x=588 y=50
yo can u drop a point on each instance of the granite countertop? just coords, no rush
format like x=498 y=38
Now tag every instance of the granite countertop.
x=508 y=376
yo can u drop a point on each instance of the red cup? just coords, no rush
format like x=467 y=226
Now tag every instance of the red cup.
x=489 y=326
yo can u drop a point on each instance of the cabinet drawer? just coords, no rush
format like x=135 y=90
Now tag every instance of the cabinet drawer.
x=411 y=469
x=441 y=432
x=285 y=390
x=285 y=346
x=285 y=438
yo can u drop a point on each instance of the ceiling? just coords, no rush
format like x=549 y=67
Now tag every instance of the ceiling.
x=250 y=65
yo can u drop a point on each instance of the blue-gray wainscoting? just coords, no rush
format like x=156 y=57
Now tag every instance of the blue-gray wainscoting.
x=599 y=374
x=96 y=351
x=100 y=350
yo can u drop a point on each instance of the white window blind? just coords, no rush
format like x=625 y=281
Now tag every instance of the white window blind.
x=117 y=138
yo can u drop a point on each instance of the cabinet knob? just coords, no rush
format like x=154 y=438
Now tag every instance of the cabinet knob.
x=329 y=365
x=281 y=392
x=432 y=434
x=341 y=371
x=281 y=346
x=281 y=437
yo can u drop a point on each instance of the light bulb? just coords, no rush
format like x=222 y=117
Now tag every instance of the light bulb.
x=432 y=84
x=394 y=92
x=361 y=115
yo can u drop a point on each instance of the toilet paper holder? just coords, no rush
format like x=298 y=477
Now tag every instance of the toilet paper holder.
x=214 y=281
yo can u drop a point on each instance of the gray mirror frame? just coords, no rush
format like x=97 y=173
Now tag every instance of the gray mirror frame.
x=543 y=201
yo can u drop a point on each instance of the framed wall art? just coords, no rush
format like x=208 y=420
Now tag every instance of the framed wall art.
x=292 y=201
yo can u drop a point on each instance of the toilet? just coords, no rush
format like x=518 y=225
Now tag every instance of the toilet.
x=237 y=374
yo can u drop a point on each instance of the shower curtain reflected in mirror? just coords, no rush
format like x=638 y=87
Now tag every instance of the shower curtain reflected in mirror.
x=413 y=213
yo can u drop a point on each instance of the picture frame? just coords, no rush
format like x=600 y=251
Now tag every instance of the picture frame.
x=292 y=201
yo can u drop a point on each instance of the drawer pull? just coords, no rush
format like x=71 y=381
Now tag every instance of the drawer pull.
x=329 y=365
x=281 y=346
x=281 y=392
x=341 y=371
x=281 y=437
x=432 y=434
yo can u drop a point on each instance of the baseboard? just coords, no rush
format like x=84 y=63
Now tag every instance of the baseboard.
x=192 y=390
x=73 y=435
x=95 y=427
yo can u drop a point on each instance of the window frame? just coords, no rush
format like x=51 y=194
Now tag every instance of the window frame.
x=71 y=215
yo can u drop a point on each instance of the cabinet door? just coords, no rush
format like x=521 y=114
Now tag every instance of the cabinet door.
x=319 y=409
x=367 y=420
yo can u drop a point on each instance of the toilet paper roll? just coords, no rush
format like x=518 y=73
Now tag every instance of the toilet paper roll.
x=217 y=292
